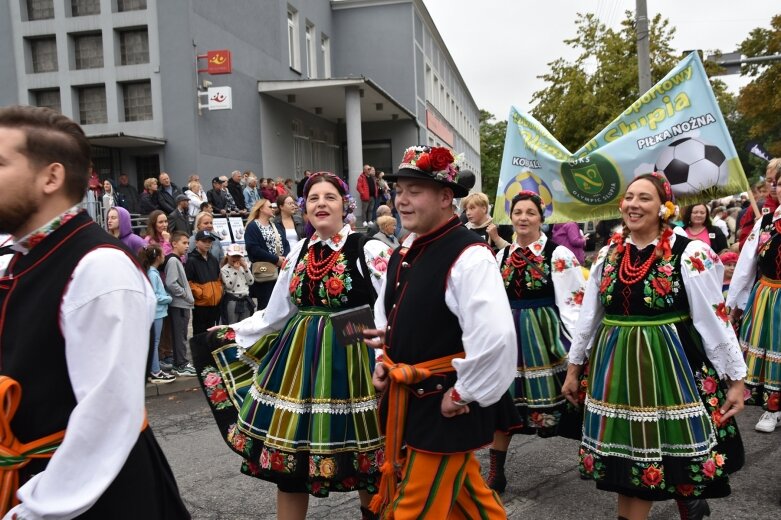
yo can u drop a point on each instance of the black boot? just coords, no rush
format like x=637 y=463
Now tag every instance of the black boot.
x=693 y=509
x=368 y=514
x=496 y=479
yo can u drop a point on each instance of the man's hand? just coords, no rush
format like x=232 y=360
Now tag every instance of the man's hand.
x=374 y=338
x=571 y=384
x=380 y=377
x=451 y=409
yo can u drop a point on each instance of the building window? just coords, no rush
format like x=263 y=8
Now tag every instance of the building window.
x=311 y=55
x=138 y=101
x=43 y=52
x=49 y=98
x=92 y=105
x=40 y=9
x=325 y=50
x=85 y=7
x=294 y=56
x=134 y=47
x=130 y=5
x=88 y=51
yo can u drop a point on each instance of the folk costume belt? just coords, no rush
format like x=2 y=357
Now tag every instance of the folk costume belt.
x=14 y=455
x=400 y=376
x=532 y=303
x=614 y=320
x=769 y=282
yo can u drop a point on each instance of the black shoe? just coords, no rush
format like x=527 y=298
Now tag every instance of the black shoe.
x=496 y=479
x=693 y=509
x=368 y=514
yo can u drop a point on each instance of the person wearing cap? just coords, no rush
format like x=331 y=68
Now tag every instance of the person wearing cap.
x=730 y=260
x=179 y=219
x=203 y=275
x=665 y=373
x=236 y=279
x=446 y=323
x=217 y=198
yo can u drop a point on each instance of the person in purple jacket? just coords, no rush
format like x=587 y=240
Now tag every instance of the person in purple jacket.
x=118 y=224
x=570 y=236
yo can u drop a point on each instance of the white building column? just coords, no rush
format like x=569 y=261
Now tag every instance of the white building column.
x=352 y=118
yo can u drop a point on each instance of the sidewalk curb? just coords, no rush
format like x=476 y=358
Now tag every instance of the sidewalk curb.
x=181 y=384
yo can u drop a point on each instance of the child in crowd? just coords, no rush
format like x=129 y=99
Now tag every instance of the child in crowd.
x=151 y=257
x=203 y=275
x=236 y=278
x=179 y=309
x=729 y=259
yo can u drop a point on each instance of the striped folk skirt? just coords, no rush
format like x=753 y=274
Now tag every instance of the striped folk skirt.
x=300 y=408
x=760 y=337
x=650 y=427
x=542 y=368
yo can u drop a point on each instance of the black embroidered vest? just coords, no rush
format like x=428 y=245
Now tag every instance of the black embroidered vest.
x=422 y=328
x=769 y=252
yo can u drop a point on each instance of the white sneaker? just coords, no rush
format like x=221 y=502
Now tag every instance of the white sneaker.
x=768 y=422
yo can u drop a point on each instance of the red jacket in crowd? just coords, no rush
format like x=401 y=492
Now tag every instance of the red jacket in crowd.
x=749 y=219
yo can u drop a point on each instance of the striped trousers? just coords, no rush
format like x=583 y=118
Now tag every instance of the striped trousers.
x=441 y=487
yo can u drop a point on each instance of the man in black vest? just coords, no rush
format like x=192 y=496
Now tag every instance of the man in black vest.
x=72 y=359
x=449 y=349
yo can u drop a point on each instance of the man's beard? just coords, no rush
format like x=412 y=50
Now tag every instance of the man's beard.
x=16 y=212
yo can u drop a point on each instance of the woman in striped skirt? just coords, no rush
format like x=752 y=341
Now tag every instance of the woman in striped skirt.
x=756 y=287
x=297 y=405
x=545 y=285
x=665 y=369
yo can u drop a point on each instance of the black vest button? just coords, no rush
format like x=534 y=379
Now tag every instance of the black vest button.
x=420 y=391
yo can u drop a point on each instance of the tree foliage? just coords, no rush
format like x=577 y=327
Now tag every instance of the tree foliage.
x=759 y=102
x=492 y=134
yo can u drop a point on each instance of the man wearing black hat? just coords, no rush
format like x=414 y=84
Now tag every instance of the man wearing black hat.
x=179 y=219
x=203 y=275
x=216 y=197
x=444 y=367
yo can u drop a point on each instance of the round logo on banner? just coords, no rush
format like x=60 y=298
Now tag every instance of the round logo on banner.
x=527 y=180
x=593 y=179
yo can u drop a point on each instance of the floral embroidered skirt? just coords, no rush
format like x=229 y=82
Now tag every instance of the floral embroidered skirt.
x=300 y=408
x=760 y=337
x=542 y=368
x=651 y=408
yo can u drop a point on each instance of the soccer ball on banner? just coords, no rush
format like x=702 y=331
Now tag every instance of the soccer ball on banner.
x=528 y=181
x=692 y=165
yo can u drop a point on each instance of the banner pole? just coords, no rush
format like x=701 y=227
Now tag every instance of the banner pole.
x=754 y=206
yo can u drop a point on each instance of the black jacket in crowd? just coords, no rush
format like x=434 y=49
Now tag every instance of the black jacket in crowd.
x=167 y=201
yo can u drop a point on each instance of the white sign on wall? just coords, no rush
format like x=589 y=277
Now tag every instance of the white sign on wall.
x=220 y=98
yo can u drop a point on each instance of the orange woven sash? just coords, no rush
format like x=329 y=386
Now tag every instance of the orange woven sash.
x=14 y=455
x=399 y=377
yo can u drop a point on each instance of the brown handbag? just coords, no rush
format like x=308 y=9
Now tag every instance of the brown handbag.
x=264 y=271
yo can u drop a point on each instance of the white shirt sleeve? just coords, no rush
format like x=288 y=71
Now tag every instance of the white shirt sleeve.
x=377 y=254
x=106 y=312
x=568 y=286
x=702 y=273
x=745 y=271
x=591 y=314
x=280 y=308
x=475 y=294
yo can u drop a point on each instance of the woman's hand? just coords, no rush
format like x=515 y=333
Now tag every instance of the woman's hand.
x=734 y=402
x=571 y=384
x=451 y=409
x=166 y=236
x=492 y=231
x=380 y=377
x=374 y=338
x=735 y=315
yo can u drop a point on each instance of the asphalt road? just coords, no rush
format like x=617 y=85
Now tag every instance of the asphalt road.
x=542 y=474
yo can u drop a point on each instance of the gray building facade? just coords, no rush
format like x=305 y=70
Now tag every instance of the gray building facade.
x=315 y=84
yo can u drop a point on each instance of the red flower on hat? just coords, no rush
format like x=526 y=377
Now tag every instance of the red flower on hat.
x=408 y=155
x=440 y=158
x=424 y=162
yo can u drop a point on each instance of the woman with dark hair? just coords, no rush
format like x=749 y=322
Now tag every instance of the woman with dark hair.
x=265 y=242
x=306 y=410
x=665 y=369
x=290 y=219
x=545 y=285
x=698 y=226
x=157 y=231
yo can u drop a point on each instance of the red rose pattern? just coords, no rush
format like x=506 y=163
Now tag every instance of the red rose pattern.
x=218 y=396
x=334 y=286
x=773 y=401
x=662 y=286
x=652 y=476
x=709 y=468
x=424 y=162
x=697 y=264
x=440 y=158
x=277 y=462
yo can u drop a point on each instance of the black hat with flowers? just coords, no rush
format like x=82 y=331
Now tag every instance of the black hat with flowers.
x=435 y=163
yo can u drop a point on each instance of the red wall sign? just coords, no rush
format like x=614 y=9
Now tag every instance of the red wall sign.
x=218 y=62
x=438 y=127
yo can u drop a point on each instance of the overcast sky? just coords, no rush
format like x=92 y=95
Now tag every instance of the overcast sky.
x=501 y=46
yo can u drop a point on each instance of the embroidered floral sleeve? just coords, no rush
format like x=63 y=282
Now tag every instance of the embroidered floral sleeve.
x=591 y=313
x=745 y=271
x=708 y=312
x=280 y=308
x=569 y=286
x=377 y=254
